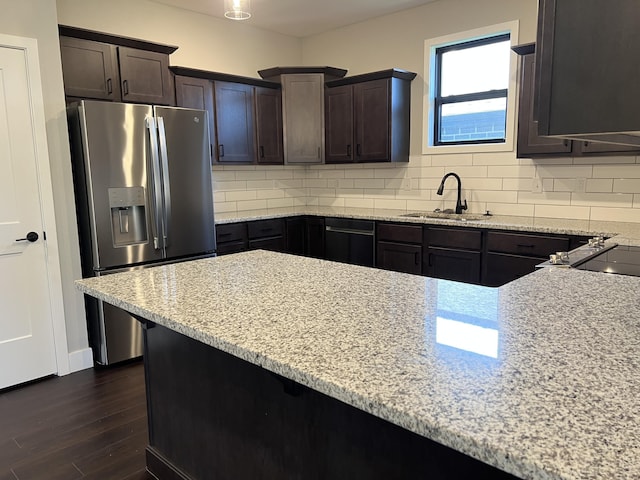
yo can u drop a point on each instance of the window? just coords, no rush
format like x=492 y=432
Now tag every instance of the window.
x=471 y=91
x=468 y=103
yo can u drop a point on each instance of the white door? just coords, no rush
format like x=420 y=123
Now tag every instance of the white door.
x=27 y=349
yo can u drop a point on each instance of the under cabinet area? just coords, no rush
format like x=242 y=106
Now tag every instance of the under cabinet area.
x=106 y=67
x=452 y=253
x=399 y=247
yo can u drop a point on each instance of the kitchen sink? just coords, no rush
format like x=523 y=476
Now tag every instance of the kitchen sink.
x=461 y=217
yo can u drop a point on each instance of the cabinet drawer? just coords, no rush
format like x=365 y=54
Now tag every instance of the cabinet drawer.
x=275 y=244
x=464 y=239
x=501 y=268
x=528 y=245
x=231 y=247
x=399 y=233
x=231 y=232
x=266 y=228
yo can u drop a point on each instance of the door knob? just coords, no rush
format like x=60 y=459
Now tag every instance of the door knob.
x=31 y=237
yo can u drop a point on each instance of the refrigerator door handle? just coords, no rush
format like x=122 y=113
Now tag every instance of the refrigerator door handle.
x=156 y=186
x=165 y=179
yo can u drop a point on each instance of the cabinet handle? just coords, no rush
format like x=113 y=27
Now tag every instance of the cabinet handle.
x=221 y=150
x=358 y=149
x=125 y=87
x=348 y=150
x=109 y=86
x=261 y=151
x=430 y=263
x=417 y=258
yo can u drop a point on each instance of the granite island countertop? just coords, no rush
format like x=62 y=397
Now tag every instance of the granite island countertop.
x=539 y=378
x=626 y=233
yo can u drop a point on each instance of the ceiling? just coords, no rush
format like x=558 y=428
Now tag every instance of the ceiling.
x=302 y=18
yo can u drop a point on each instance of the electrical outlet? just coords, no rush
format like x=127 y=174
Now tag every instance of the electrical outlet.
x=536 y=185
x=581 y=185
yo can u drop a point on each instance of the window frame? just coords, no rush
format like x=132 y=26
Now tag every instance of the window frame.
x=430 y=107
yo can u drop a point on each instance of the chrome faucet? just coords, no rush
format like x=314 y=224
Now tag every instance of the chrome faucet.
x=459 y=206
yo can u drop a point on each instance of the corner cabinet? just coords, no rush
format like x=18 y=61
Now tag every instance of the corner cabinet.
x=101 y=66
x=303 y=110
x=367 y=117
x=245 y=114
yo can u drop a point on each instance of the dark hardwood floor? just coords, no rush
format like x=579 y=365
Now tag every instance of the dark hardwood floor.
x=90 y=424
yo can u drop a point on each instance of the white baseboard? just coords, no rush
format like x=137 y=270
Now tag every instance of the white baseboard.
x=80 y=360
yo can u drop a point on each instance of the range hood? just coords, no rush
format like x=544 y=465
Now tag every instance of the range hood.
x=588 y=70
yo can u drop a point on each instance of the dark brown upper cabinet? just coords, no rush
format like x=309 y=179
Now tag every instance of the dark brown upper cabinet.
x=197 y=93
x=268 y=102
x=234 y=123
x=367 y=117
x=107 y=67
x=530 y=143
x=145 y=77
x=90 y=69
x=245 y=113
x=586 y=72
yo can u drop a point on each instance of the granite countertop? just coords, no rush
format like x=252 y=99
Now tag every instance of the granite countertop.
x=626 y=233
x=551 y=391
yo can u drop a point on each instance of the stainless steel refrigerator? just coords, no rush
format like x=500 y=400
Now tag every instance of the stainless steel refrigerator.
x=142 y=177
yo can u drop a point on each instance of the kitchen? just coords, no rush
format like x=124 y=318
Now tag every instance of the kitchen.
x=496 y=181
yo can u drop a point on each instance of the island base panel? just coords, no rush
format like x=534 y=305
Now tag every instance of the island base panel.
x=213 y=415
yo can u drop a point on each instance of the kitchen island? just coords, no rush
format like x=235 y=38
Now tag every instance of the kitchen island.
x=538 y=378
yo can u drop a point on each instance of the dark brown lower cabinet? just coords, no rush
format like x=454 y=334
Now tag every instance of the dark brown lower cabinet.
x=399 y=247
x=503 y=268
x=296 y=235
x=267 y=234
x=452 y=254
x=231 y=238
x=314 y=237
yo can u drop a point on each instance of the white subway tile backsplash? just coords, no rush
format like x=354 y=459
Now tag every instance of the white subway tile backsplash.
x=251 y=175
x=237 y=195
x=350 y=192
x=390 y=204
x=390 y=172
x=517 y=184
x=224 y=207
x=423 y=205
x=545 y=198
x=604 y=160
x=259 y=184
x=493 y=196
x=331 y=173
x=331 y=202
x=496 y=158
x=226 y=186
x=555 y=211
x=626 y=185
x=515 y=171
x=321 y=192
x=359 y=173
x=563 y=184
x=516 y=209
x=624 y=200
x=277 y=174
x=251 y=205
x=219 y=197
x=604 y=185
x=316 y=183
x=377 y=183
x=617 y=214
x=547 y=184
x=563 y=171
x=279 y=202
x=268 y=194
x=358 y=202
x=452 y=160
x=616 y=171
x=289 y=183
x=223 y=175
x=346 y=183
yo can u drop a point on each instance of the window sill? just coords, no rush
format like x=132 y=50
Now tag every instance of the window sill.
x=474 y=148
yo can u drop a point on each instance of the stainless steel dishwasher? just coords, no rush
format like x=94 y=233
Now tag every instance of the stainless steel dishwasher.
x=350 y=241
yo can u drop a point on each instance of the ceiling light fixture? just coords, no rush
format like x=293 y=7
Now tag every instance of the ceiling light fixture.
x=237 y=9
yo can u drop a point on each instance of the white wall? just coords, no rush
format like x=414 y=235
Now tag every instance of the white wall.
x=37 y=19
x=204 y=42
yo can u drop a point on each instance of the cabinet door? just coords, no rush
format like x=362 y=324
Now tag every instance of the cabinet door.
x=529 y=142
x=269 y=125
x=197 y=93
x=372 y=112
x=145 y=77
x=303 y=103
x=339 y=124
x=234 y=123
x=451 y=264
x=399 y=257
x=275 y=244
x=89 y=69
